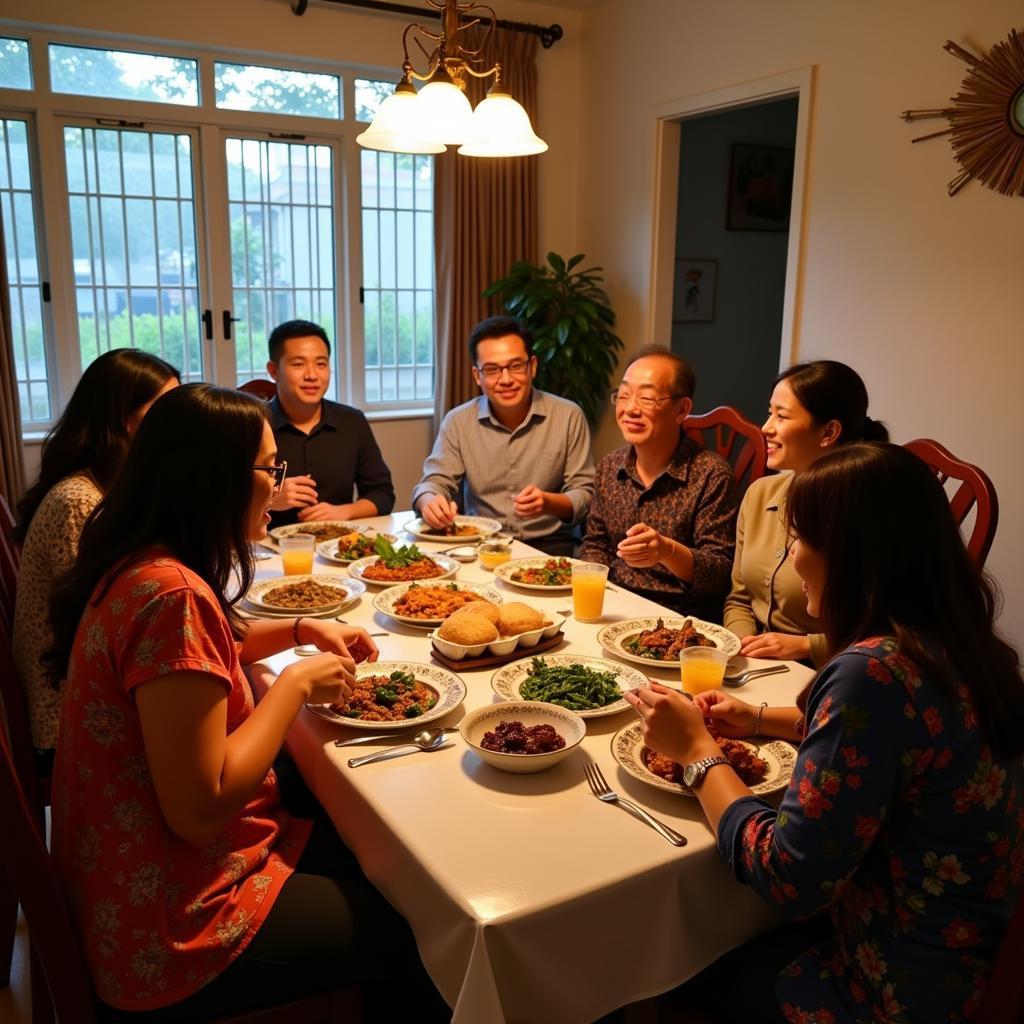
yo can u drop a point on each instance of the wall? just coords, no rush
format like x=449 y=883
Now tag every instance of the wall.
x=373 y=40
x=751 y=271
x=920 y=292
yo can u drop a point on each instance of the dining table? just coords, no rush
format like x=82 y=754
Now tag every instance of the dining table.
x=531 y=901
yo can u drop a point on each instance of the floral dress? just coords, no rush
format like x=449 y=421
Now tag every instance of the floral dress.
x=898 y=820
x=159 y=918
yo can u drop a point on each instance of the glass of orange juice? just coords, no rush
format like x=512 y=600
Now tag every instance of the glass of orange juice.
x=493 y=552
x=297 y=554
x=702 y=668
x=588 y=582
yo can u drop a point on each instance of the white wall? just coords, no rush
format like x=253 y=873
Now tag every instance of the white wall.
x=920 y=292
x=328 y=33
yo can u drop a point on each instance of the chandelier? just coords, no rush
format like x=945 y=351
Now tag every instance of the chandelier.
x=439 y=115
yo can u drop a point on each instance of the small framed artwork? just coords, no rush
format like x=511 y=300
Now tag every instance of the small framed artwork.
x=694 y=300
x=760 y=188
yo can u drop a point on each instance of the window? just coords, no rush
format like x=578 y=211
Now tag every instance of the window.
x=197 y=218
x=119 y=74
x=30 y=363
x=15 y=66
x=246 y=87
x=398 y=276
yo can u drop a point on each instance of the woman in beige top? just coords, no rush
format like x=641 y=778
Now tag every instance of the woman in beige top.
x=80 y=458
x=814 y=406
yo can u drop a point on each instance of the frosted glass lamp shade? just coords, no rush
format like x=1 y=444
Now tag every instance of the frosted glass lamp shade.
x=501 y=127
x=396 y=126
x=443 y=113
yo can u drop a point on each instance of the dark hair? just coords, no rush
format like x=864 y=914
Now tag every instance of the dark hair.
x=498 y=327
x=92 y=434
x=294 y=329
x=684 y=378
x=830 y=390
x=179 y=492
x=897 y=566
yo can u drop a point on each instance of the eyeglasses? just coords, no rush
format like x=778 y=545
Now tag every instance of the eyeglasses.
x=277 y=471
x=492 y=372
x=620 y=396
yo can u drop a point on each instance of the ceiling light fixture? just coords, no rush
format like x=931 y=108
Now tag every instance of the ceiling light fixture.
x=439 y=114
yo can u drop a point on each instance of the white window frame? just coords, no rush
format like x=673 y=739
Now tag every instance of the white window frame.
x=47 y=111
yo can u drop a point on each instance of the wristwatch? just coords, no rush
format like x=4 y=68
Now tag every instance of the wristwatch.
x=694 y=772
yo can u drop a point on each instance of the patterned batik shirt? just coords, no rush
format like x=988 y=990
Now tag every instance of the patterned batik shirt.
x=899 y=821
x=159 y=917
x=694 y=502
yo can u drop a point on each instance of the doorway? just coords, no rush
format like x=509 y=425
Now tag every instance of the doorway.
x=732 y=233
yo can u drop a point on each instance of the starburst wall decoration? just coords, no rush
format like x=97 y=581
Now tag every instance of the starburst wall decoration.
x=986 y=118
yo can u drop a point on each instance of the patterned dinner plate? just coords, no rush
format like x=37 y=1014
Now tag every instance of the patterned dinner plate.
x=321 y=529
x=450 y=690
x=386 y=600
x=480 y=526
x=506 y=569
x=345 y=588
x=328 y=549
x=508 y=680
x=357 y=570
x=613 y=637
x=628 y=750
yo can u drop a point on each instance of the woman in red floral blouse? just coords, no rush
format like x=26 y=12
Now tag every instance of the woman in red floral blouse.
x=904 y=817
x=187 y=876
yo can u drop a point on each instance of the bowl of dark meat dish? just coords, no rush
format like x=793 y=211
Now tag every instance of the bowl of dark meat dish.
x=522 y=735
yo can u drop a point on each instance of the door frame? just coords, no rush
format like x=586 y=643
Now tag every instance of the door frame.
x=669 y=116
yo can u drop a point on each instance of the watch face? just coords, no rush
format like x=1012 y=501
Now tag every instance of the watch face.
x=691 y=773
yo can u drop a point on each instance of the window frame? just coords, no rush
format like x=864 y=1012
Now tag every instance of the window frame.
x=47 y=112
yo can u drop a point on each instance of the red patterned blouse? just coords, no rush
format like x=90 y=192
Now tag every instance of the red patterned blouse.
x=159 y=918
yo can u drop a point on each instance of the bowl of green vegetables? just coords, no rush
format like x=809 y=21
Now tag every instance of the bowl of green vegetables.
x=591 y=687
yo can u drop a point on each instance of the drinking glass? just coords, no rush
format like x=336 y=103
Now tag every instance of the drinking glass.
x=702 y=668
x=588 y=583
x=297 y=554
x=493 y=552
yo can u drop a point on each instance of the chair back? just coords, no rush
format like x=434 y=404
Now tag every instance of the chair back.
x=14 y=706
x=1003 y=999
x=10 y=560
x=7 y=528
x=975 y=491
x=736 y=439
x=56 y=949
x=265 y=389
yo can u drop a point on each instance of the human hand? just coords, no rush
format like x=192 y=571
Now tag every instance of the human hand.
x=320 y=511
x=642 y=546
x=296 y=492
x=673 y=725
x=725 y=713
x=783 y=646
x=338 y=638
x=323 y=679
x=529 y=502
x=438 y=511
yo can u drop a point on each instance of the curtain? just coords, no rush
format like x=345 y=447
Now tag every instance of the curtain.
x=12 y=468
x=485 y=218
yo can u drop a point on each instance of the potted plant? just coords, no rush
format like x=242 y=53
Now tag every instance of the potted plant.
x=571 y=321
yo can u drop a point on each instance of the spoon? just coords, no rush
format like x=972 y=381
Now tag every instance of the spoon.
x=429 y=739
x=753 y=673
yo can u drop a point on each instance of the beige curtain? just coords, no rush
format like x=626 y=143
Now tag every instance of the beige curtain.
x=485 y=218
x=12 y=470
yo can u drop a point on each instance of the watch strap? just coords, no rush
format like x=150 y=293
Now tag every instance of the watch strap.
x=698 y=769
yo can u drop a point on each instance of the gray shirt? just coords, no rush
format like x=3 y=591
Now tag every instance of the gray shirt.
x=483 y=465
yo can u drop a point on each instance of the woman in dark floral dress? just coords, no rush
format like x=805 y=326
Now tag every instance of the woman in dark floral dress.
x=901 y=836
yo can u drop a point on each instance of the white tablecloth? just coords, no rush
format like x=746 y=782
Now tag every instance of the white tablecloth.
x=531 y=901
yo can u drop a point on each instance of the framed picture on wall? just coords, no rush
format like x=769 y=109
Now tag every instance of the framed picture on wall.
x=694 y=299
x=760 y=188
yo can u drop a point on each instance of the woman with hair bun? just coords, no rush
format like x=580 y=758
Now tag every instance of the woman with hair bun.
x=814 y=407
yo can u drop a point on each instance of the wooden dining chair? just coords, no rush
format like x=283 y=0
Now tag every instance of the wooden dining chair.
x=7 y=524
x=976 y=491
x=265 y=389
x=10 y=561
x=60 y=982
x=736 y=439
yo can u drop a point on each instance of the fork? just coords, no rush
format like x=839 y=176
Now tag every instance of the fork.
x=604 y=792
x=753 y=673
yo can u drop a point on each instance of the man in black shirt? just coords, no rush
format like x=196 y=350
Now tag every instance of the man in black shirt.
x=330 y=449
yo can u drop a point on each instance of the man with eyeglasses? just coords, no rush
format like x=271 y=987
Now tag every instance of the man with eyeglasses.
x=335 y=469
x=664 y=513
x=516 y=454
